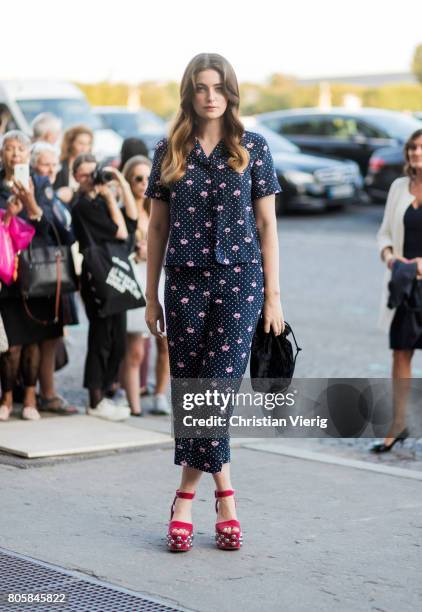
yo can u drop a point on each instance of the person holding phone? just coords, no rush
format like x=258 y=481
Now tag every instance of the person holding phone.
x=212 y=187
x=28 y=196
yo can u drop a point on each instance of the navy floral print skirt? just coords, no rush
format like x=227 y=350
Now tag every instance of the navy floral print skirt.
x=211 y=315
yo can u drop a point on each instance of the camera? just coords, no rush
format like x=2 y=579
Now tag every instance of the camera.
x=100 y=176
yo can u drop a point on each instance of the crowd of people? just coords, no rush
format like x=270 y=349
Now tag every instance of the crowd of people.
x=61 y=204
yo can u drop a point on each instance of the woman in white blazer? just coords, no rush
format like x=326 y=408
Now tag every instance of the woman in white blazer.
x=400 y=238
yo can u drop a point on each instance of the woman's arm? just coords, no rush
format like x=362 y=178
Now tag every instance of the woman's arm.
x=127 y=195
x=114 y=210
x=158 y=232
x=385 y=234
x=266 y=224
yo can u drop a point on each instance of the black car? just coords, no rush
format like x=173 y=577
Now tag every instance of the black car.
x=385 y=165
x=309 y=182
x=142 y=124
x=342 y=133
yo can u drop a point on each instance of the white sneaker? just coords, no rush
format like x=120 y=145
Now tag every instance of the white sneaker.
x=109 y=411
x=161 y=405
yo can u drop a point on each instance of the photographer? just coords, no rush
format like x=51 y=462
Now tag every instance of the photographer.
x=98 y=219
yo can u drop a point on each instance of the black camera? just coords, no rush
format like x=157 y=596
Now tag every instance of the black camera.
x=100 y=176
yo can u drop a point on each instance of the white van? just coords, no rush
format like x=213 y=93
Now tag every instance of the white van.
x=22 y=101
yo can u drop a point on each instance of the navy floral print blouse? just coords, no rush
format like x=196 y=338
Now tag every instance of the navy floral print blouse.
x=211 y=213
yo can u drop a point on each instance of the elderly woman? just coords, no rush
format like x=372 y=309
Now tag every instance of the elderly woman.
x=22 y=319
x=400 y=246
x=45 y=162
x=77 y=140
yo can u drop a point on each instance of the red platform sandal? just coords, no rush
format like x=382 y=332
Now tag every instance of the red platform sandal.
x=224 y=540
x=179 y=542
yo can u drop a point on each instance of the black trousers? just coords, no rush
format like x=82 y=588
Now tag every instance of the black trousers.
x=106 y=349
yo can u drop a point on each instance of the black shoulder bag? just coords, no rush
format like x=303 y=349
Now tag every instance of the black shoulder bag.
x=272 y=361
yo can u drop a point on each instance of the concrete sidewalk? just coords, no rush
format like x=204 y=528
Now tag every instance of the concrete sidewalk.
x=317 y=535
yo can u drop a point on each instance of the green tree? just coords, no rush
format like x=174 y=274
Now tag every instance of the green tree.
x=417 y=63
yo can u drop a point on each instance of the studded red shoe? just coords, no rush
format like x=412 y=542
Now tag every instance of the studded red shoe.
x=224 y=540
x=179 y=542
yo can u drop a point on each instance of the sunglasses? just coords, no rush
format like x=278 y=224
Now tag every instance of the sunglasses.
x=140 y=178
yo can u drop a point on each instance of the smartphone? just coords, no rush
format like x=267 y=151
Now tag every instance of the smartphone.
x=21 y=172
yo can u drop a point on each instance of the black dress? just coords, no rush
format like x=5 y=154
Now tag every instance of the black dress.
x=406 y=326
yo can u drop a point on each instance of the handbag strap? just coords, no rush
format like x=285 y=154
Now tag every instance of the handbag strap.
x=57 y=298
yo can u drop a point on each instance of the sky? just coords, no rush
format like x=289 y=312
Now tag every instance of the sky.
x=134 y=41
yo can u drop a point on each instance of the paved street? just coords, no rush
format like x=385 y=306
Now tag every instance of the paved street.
x=334 y=536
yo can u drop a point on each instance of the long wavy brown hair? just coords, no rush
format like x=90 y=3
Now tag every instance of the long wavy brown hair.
x=408 y=170
x=182 y=132
x=69 y=138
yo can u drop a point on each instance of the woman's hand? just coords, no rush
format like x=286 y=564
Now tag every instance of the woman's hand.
x=14 y=207
x=273 y=315
x=418 y=261
x=27 y=198
x=154 y=313
x=65 y=194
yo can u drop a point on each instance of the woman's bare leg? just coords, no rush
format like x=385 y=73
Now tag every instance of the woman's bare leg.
x=401 y=375
x=183 y=507
x=226 y=505
x=130 y=371
x=162 y=366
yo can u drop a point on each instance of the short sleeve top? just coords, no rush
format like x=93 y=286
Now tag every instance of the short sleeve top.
x=211 y=214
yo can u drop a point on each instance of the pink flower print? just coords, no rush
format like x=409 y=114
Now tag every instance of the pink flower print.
x=201 y=449
x=206 y=465
x=190 y=330
x=210 y=333
x=180 y=446
x=243 y=355
x=225 y=347
x=240 y=221
x=192 y=287
x=239 y=341
x=204 y=194
x=206 y=293
x=237 y=315
x=261 y=182
x=248 y=208
x=191 y=209
x=215 y=443
x=254 y=261
x=184 y=463
x=220 y=330
x=235 y=248
x=218 y=301
x=204 y=362
x=208 y=181
x=236 y=289
x=207 y=273
x=211 y=353
x=250 y=298
x=226 y=261
x=193 y=354
x=222 y=185
x=249 y=145
x=265 y=148
x=222 y=281
x=184 y=241
x=198 y=152
x=237 y=269
x=201 y=314
x=220 y=166
x=220 y=207
x=173 y=287
x=181 y=338
x=227 y=230
x=201 y=345
x=184 y=300
x=250 y=328
x=229 y=369
x=191 y=167
x=197 y=235
x=253 y=284
x=236 y=193
x=173 y=314
x=180 y=364
x=190 y=263
x=171 y=250
x=258 y=162
x=247 y=239
x=205 y=250
x=171 y=343
x=176 y=224
x=189 y=182
x=214 y=190
x=208 y=223
x=173 y=194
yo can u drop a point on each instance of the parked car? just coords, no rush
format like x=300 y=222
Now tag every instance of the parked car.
x=309 y=182
x=385 y=165
x=22 y=101
x=142 y=124
x=342 y=133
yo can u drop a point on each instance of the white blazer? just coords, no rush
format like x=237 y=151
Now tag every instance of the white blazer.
x=391 y=234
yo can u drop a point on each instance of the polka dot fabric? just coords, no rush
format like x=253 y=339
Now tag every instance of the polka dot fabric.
x=211 y=212
x=211 y=316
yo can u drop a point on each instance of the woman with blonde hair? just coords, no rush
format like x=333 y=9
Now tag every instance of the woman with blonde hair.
x=137 y=171
x=400 y=243
x=77 y=140
x=212 y=187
